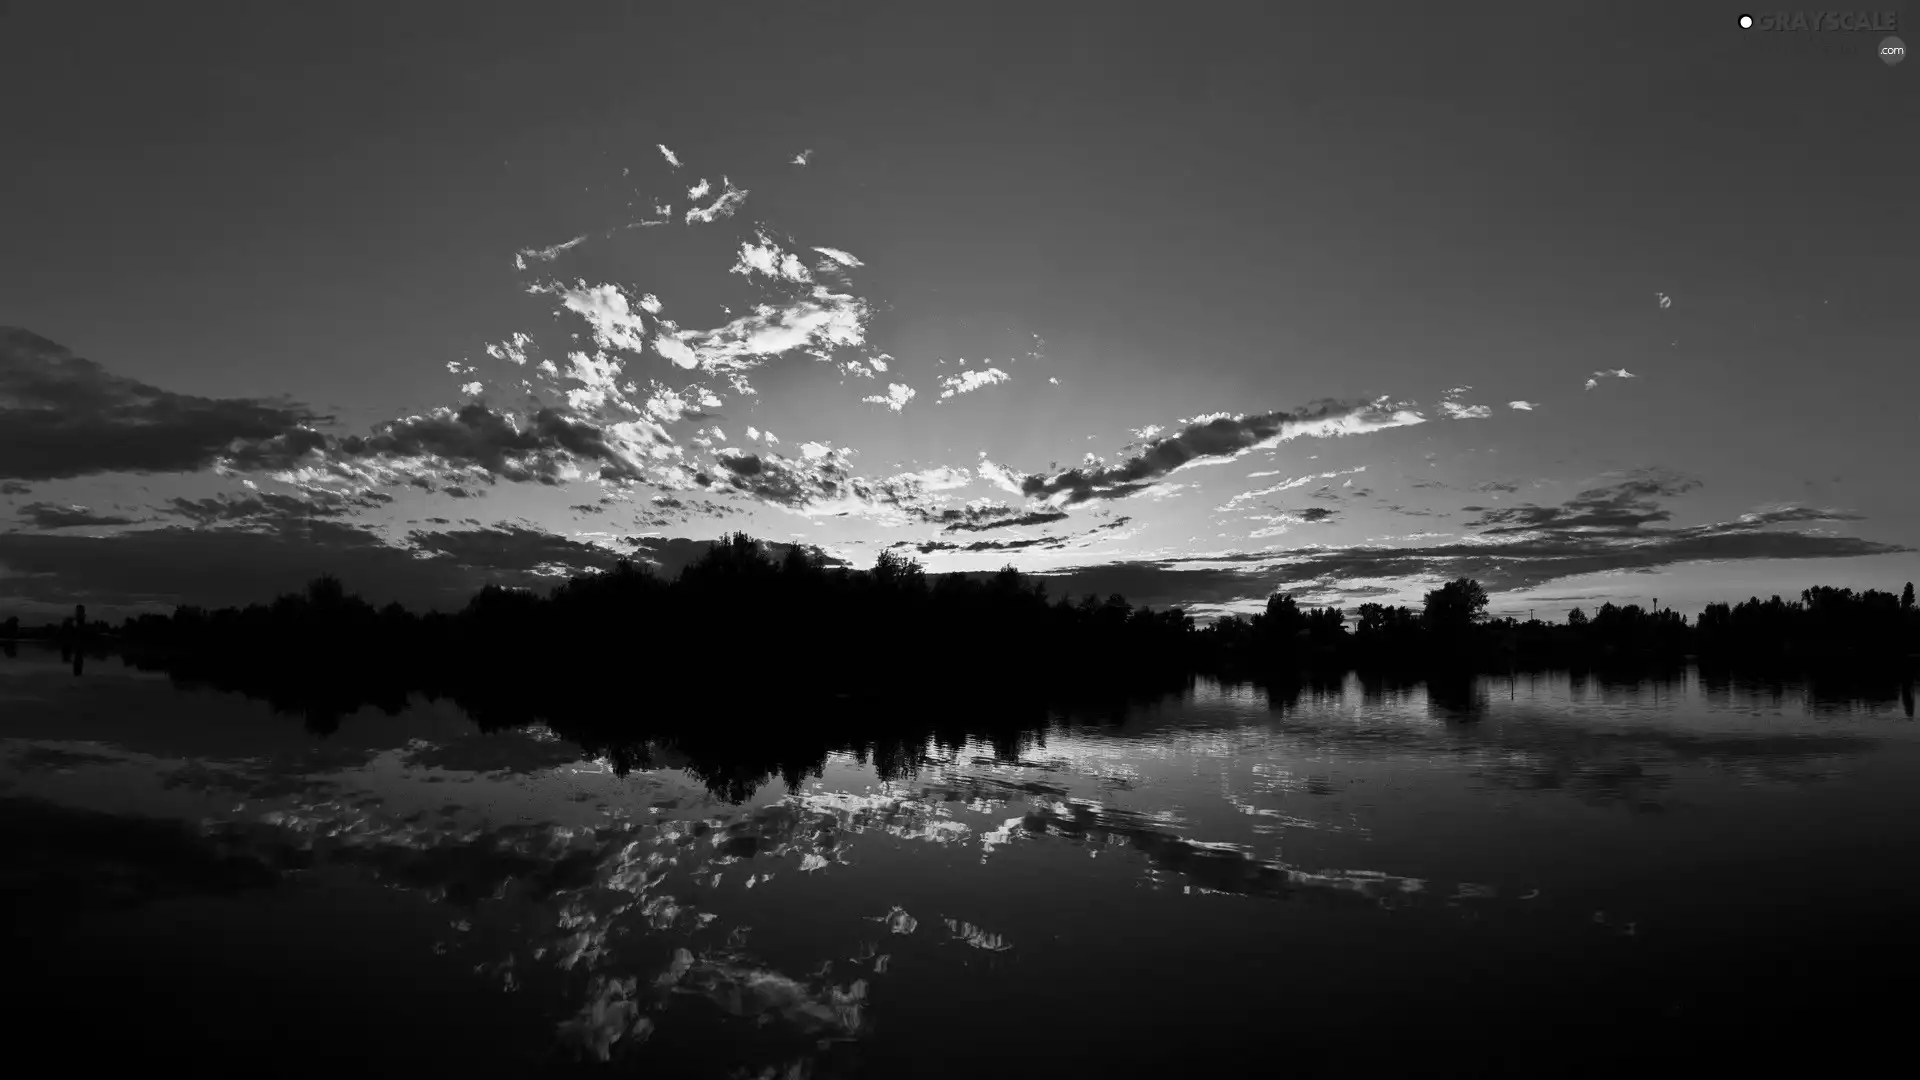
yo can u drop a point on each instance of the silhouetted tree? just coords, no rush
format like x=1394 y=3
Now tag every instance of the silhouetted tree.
x=1456 y=605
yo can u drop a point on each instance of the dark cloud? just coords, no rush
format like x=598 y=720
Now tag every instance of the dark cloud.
x=1414 y=511
x=1218 y=438
x=65 y=416
x=538 y=448
x=45 y=515
x=930 y=546
x=740 y=464
x=1621 y=506
x=587 y=508
x=982 y=518
x=1570 y=544
x=183 y=564
x=266 y=507
x=1796 y=514
x=1505 y=487
x=513 y=549
x=14 y=487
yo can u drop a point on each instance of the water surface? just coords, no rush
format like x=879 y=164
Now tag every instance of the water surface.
x=1537 y=875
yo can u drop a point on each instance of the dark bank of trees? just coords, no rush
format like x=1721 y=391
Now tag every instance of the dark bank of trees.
x=740 y=627
x=1826 y=625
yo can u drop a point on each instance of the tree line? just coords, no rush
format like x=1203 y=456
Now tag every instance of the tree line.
x=739 y=621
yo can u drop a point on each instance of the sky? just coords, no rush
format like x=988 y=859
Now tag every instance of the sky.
x=1590 y=302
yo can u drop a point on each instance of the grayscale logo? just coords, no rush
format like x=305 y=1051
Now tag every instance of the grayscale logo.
x=1892 y=50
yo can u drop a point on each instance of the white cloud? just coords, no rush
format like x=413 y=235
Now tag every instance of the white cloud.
x=1051 y=381
x=997 y=475
x=801 y=157
x=672 y=158
x=651 y=304
x=723 y=206
x=767 y=258
x=1148 y=431
x=1616 y=373
x=471 y=389
x=839 y=256
x=545 y=254
x=615 y=324
x=1288 y=485
x=817 y=323
x=1524 y=406
x=699 y=190
x=968 y=381
x=1457 y=411
x=514 y=348
x=599 y=378
x=896 y=397
x=1665 y=300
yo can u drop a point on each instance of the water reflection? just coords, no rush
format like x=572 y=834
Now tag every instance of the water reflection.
x=831 y=897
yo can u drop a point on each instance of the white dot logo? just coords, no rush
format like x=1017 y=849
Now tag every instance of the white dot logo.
x=1892 y=50
x=1746 y=22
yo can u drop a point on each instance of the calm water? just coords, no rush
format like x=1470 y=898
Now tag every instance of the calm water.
x=1549 y=875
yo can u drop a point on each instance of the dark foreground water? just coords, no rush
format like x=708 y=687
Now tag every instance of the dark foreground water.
x=1544 y=875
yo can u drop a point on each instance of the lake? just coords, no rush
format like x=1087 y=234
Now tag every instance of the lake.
x=1545 y=874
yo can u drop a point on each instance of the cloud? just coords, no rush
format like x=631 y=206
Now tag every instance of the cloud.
x=1601 y=530
x=270 y=508
x=928 y=547
x=1456 y=411
x=1518 y=564
x=1524 y=406
x=816 y=324
x=546 y=254
x=222 y=566
x=14 y=487
x=896 y=397
x=1616 y=373
x=45 y=515
x=672 y=158
x=513 y=549
x=981 y=517
x=1217 y=438
x=801 y=157
x=615 y=324
x=514 y=349
x=64 y=416
x=1280 y=521
x=723 y=206
x=550 y=446
x=1664 y=300
x=1149 y=431
x=1624 y=505
x=968 y=381
x=1286 y=485
x=839 y=256
x=766 y=258
x=1789 y=514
